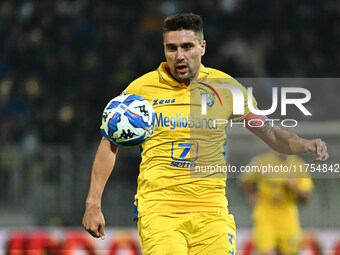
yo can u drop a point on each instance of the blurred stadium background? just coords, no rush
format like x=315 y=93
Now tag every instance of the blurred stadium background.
x=62 y=61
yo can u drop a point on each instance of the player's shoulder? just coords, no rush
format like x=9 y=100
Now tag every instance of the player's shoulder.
x=146 y=78
x=223 y=77
x=135 y=86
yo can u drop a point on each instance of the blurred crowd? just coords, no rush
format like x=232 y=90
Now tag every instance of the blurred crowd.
x=62 y=61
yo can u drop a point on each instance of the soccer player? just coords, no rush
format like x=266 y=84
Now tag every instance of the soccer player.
x=177 y=211
x=274 y=196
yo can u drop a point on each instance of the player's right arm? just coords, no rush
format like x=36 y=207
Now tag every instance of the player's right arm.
x=289 y=143
x=283 y=141
x=93 y=220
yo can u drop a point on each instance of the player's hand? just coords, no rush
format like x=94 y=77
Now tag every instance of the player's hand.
x=318 y=148
x=94 y=223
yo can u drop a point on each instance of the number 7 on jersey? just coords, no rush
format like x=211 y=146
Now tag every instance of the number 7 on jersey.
x=184 y=150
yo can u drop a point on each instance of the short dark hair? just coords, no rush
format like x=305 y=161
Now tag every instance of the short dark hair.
x=184 y=21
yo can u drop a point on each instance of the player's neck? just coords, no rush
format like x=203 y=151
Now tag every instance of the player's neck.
x=196 y=76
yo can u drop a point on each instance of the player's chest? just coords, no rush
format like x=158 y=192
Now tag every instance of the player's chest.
x=181 y=108
x=187 y=100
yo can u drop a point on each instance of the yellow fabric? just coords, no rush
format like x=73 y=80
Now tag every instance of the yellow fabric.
x=269 y=237
x=183 y=139
x=187 y=233
x=275 y=215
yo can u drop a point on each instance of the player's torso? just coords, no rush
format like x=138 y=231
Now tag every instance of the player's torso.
x=183 y=139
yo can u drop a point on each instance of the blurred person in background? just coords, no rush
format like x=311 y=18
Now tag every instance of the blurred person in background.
x=275 y=197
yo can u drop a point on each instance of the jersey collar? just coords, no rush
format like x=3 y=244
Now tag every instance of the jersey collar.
x=168 y=78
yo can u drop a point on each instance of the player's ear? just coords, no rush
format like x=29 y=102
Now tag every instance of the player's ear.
x=203 y=44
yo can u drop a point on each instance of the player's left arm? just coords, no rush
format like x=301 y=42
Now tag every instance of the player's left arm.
x=288 y=143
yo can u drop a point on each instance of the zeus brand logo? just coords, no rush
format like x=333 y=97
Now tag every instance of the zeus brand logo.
x=238 y=100
x=163 y=101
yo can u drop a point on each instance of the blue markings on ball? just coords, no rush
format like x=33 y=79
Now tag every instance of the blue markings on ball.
x=112 y=124
x=130 y=124
x=136 y=120
x=132 y=98
x=113 y=104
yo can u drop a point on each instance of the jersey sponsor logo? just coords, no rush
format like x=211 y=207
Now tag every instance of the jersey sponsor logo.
x=179 y=121
x=185 y=153
x=163 y=101
x=183 y=164
x=185 y=150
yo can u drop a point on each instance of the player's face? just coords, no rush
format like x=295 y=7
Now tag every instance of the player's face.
x=183 y=52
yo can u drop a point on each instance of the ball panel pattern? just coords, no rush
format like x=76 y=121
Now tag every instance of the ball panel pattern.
x=128 y=120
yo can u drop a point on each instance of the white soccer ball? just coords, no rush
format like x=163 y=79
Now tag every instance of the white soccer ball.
x=128 y=120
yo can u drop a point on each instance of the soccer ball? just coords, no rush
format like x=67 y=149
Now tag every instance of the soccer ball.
x=128 y=120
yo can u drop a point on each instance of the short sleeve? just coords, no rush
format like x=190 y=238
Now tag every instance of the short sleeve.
x=246 y=106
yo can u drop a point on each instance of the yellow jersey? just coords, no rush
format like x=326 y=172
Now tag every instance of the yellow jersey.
x=184 y=139
x=276 y=201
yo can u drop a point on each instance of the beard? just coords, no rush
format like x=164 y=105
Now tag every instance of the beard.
x=184 y=77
